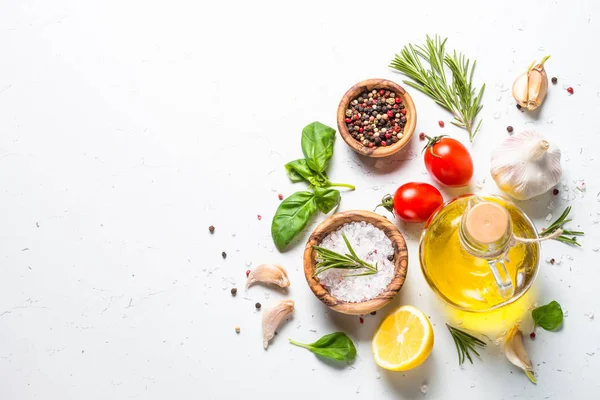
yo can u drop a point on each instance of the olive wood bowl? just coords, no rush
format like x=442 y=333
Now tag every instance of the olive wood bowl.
x=367 y=86
x=400 y=261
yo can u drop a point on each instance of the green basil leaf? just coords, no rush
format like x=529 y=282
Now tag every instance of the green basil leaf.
x=549 y=317
x=297 y=170
x=337 y=346
x=291 y=217
x=327 y=199
x=317 y=145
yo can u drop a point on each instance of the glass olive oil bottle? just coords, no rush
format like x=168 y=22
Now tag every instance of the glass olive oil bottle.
x=478 y=252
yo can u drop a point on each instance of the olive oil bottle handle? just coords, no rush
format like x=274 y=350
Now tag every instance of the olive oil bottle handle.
x=502 y=278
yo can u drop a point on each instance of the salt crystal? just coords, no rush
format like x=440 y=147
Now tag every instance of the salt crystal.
x=496 y=115
x=248 y=263
x=498 y=98
x=358 y=390
x=590 y=315
x=472 y=385
x=364 y=238
x=590 y=354
x=267 y=295
x=423 y=388
x=569 y=257
x=596 y=249
x=232 y=280
x=378 y=375
x=312 y=330
x=548 y=217
x=565 y=312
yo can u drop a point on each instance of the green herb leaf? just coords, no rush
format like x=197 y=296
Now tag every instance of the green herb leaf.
x=337 y=346
x=465 y=344
x=298 y=170
x=291 y=217
x=459 y=96
x=568 y=236
x=549 y=317
x=317 y=145
x=327 y=199
x=328 y=259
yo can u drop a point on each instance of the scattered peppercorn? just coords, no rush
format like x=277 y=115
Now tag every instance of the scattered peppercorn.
x=421 y=136
x=376 y=118
x=224 y=255
x=211 y=229
x=509 y=129
x=257 y=305
x=280 y=196
x=247 y=272
x=570 y=90
x=237 y=329
x=552 y=261
x=555 y=192
x=441 y=124
x=390 y=257
x=361 y=320
x=518 y=107
x=554 y=80
x=233 y=291
x=532 y=335
x=374 y=312
x=259 y=217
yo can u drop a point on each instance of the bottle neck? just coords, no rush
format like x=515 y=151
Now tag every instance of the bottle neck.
x=486 y=230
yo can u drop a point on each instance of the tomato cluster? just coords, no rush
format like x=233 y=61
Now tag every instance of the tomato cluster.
x=449 y=163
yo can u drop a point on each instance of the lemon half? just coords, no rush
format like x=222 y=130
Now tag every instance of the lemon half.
x=403 y=340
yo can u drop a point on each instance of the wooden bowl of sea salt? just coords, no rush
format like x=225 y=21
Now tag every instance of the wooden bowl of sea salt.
x=375 y=240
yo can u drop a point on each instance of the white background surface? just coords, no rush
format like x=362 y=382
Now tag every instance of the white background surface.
x=128 y=127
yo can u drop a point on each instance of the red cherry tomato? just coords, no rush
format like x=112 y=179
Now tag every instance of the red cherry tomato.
x=414 y=201
x=448 y=161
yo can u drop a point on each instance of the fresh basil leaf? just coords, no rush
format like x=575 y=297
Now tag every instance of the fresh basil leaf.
x=317 y=145
x=291 y=217
x=549 y=317
x=337 y=346
x=327 y=199
x=297 y=169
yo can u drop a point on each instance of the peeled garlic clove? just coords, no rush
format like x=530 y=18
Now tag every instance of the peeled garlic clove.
x=516 y=354
x=526 y=165
x=270 y=274
x=531 y=87
x=273 y=317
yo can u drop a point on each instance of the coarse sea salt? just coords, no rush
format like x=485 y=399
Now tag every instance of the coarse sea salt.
x=371 y=245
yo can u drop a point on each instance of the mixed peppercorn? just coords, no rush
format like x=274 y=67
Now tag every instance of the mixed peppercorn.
x=376 y=118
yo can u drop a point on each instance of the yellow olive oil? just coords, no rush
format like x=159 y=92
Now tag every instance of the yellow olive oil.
x=466 y=281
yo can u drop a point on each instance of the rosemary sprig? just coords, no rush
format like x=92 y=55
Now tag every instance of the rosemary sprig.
x=459 y=97
x=465 y=343
x=567 y=236
x=330 y=259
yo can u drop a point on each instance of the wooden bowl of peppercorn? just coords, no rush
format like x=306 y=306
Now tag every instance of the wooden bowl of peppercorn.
x=376 y=118
x=400 y=260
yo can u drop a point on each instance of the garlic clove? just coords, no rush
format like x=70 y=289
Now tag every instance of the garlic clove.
x=516 y=354
x=520 y=90
x=537 y=84
x=273 y=317
x=531 y=87
x=270 y=274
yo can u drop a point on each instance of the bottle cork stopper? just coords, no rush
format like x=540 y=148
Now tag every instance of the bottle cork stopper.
x=487 y=222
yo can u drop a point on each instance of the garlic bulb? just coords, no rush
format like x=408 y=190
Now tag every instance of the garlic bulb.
x=530 y=88
x=270 y=274
x=516 y=354
x=273 y=317
x=526 y=165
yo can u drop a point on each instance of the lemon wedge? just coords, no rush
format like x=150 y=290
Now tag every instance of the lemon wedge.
x=403 y=340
